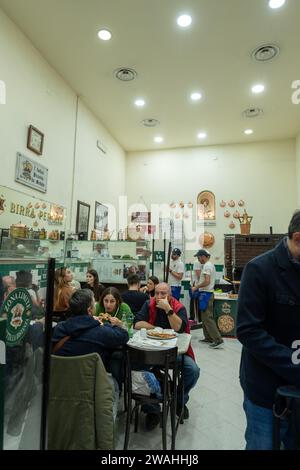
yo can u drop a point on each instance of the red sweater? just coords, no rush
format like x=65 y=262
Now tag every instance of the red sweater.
x=176 y=306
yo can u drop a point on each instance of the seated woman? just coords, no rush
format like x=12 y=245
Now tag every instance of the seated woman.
x=111 y=303
x=62 y=290
x=93 y=283
x=150 y=287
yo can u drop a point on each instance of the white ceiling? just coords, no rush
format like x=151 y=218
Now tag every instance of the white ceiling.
x=213 y=55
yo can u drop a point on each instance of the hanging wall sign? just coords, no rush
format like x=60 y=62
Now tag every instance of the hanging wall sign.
x=31 y=173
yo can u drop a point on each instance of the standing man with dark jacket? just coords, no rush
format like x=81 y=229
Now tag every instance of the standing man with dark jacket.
x=268 y=326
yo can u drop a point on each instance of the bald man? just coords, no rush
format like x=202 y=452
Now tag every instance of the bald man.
x=165 y=311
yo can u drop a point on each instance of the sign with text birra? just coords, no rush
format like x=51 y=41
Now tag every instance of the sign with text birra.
x=31 y=173
x=17 y=309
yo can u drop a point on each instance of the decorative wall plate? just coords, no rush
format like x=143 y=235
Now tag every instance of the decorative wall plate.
x=232 y=225
x=236 y=214
x=241 y=203
x=172 y=205
x=222 y=204
x=190 y=205
x=227 y=214
x=231 y=203
x=207 y=240
x=181 y=204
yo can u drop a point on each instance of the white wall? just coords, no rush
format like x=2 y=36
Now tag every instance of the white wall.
x=98 y=176
x=261 y=174
x=37 y=95
x=298 y=169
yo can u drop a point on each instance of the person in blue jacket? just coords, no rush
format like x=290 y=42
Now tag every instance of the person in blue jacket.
x=86 y=334
x=268 y=326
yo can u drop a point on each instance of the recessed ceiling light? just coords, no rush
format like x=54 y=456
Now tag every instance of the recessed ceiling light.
x=158 y=139
x=195 y=96
x=184 y=20
x=104 y=34
x=140 y=102
x=248 y=131
x=202 y=135
x=258 y=88
x=276 y=3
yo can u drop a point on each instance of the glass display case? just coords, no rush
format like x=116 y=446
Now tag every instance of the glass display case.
x=27 y=248
x=113 y=260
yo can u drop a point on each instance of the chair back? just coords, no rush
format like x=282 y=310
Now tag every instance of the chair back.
x=80 y=408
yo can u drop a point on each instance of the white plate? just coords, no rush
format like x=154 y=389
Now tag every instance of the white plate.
x=159 y=338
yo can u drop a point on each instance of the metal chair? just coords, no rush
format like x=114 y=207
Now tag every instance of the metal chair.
x=166 y=362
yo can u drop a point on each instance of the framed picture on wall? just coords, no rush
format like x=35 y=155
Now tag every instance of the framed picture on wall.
x=83 y=217
x=35 y=140
x=101 y=217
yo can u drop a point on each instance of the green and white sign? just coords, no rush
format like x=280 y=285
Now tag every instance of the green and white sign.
x=159 y=256
x=2 y=365
x=17 y=309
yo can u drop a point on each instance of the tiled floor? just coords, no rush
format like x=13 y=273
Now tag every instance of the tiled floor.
x=216 y=414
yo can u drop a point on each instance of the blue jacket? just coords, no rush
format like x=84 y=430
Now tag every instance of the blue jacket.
x=88 y=336
x=268 y=323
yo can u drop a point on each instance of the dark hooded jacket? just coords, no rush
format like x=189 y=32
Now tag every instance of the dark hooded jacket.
x=88 y=336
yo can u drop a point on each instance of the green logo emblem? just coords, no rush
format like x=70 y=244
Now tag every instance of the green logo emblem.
x=17 y=309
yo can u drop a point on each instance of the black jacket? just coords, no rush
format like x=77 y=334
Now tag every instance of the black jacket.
x=268 y=324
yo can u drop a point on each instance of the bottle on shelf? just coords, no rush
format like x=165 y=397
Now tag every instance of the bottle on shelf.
x=93 y=235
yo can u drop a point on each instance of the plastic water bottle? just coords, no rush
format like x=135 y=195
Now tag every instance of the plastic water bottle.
x=130 y=324
x=124 y=322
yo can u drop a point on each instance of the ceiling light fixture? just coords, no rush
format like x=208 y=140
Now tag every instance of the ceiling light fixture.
x=125 y=74
x=248 y=131
x=139 y=103
x=265 y=52
x=150 y=122
x=104 y=34
x=158 y=139
x=253 y=112
x=202 y=135
x=258 y=89
x=184 y=21
x=276 y=3
x=196 y=96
